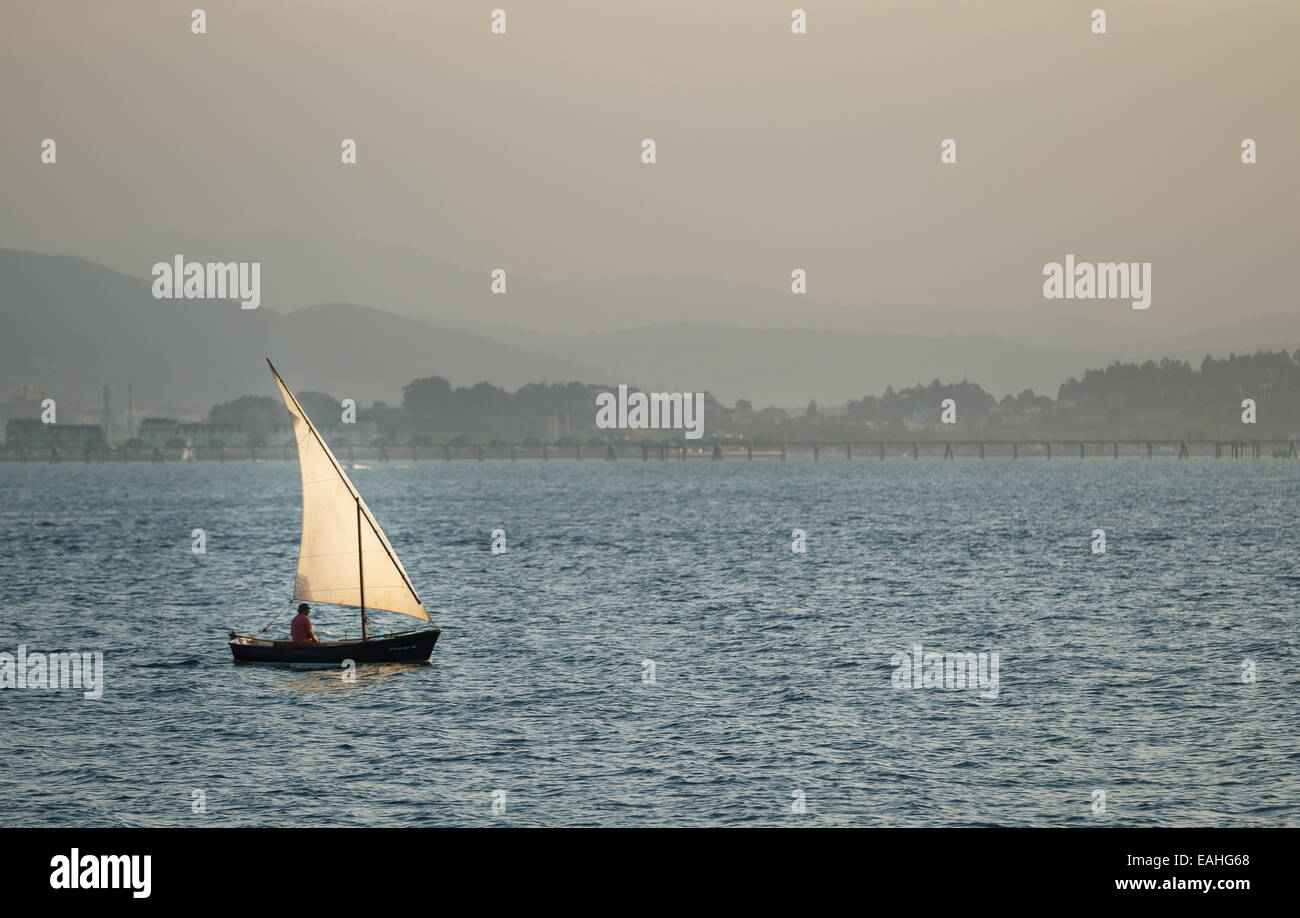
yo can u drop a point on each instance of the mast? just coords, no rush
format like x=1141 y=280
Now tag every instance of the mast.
x=361 y=572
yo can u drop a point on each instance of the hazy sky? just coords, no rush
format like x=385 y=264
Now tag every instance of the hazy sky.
x=775 y=151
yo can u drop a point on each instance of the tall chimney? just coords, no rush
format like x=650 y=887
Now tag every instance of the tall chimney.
x=107 y=418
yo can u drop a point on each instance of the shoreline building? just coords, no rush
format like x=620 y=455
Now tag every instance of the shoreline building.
x=172 y=433
x=33 y=434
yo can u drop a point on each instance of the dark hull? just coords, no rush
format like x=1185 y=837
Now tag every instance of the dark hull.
x=408 y=647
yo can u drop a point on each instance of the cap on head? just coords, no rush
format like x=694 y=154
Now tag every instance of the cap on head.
x=303 y=608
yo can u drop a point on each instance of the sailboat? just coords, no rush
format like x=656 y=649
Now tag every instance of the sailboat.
x=344 y=559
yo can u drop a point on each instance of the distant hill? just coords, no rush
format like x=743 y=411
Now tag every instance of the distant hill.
x=316 y=267
x=70 y=326
x=789 y=366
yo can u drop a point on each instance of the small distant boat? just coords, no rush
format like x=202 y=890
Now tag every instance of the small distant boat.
x=344 y=559
x=188 y=454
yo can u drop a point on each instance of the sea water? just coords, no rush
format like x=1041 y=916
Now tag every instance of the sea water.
x=649 y=650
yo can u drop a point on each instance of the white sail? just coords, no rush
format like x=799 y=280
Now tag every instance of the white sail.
x=334 y=565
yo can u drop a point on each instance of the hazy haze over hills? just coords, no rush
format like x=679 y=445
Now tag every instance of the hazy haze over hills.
x=774 y=151
x=522 y=152
x=72 y=326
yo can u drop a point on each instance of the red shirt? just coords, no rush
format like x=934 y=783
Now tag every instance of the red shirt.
x=300 y=628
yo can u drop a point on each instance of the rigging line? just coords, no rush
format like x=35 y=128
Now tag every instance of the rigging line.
x=277 y=615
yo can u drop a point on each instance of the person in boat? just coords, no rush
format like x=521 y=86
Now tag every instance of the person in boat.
x=300 y=630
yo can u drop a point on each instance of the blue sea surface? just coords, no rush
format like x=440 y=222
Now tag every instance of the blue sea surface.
x=773 y=682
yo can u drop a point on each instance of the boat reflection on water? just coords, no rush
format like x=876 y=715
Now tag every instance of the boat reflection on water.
x=333 y=679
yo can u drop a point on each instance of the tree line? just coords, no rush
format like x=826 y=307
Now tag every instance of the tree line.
x=1164 y=399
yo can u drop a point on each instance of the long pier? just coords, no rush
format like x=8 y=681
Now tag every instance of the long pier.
x=714 y=450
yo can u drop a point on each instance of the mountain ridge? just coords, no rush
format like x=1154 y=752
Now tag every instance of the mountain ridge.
x=73 y=325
